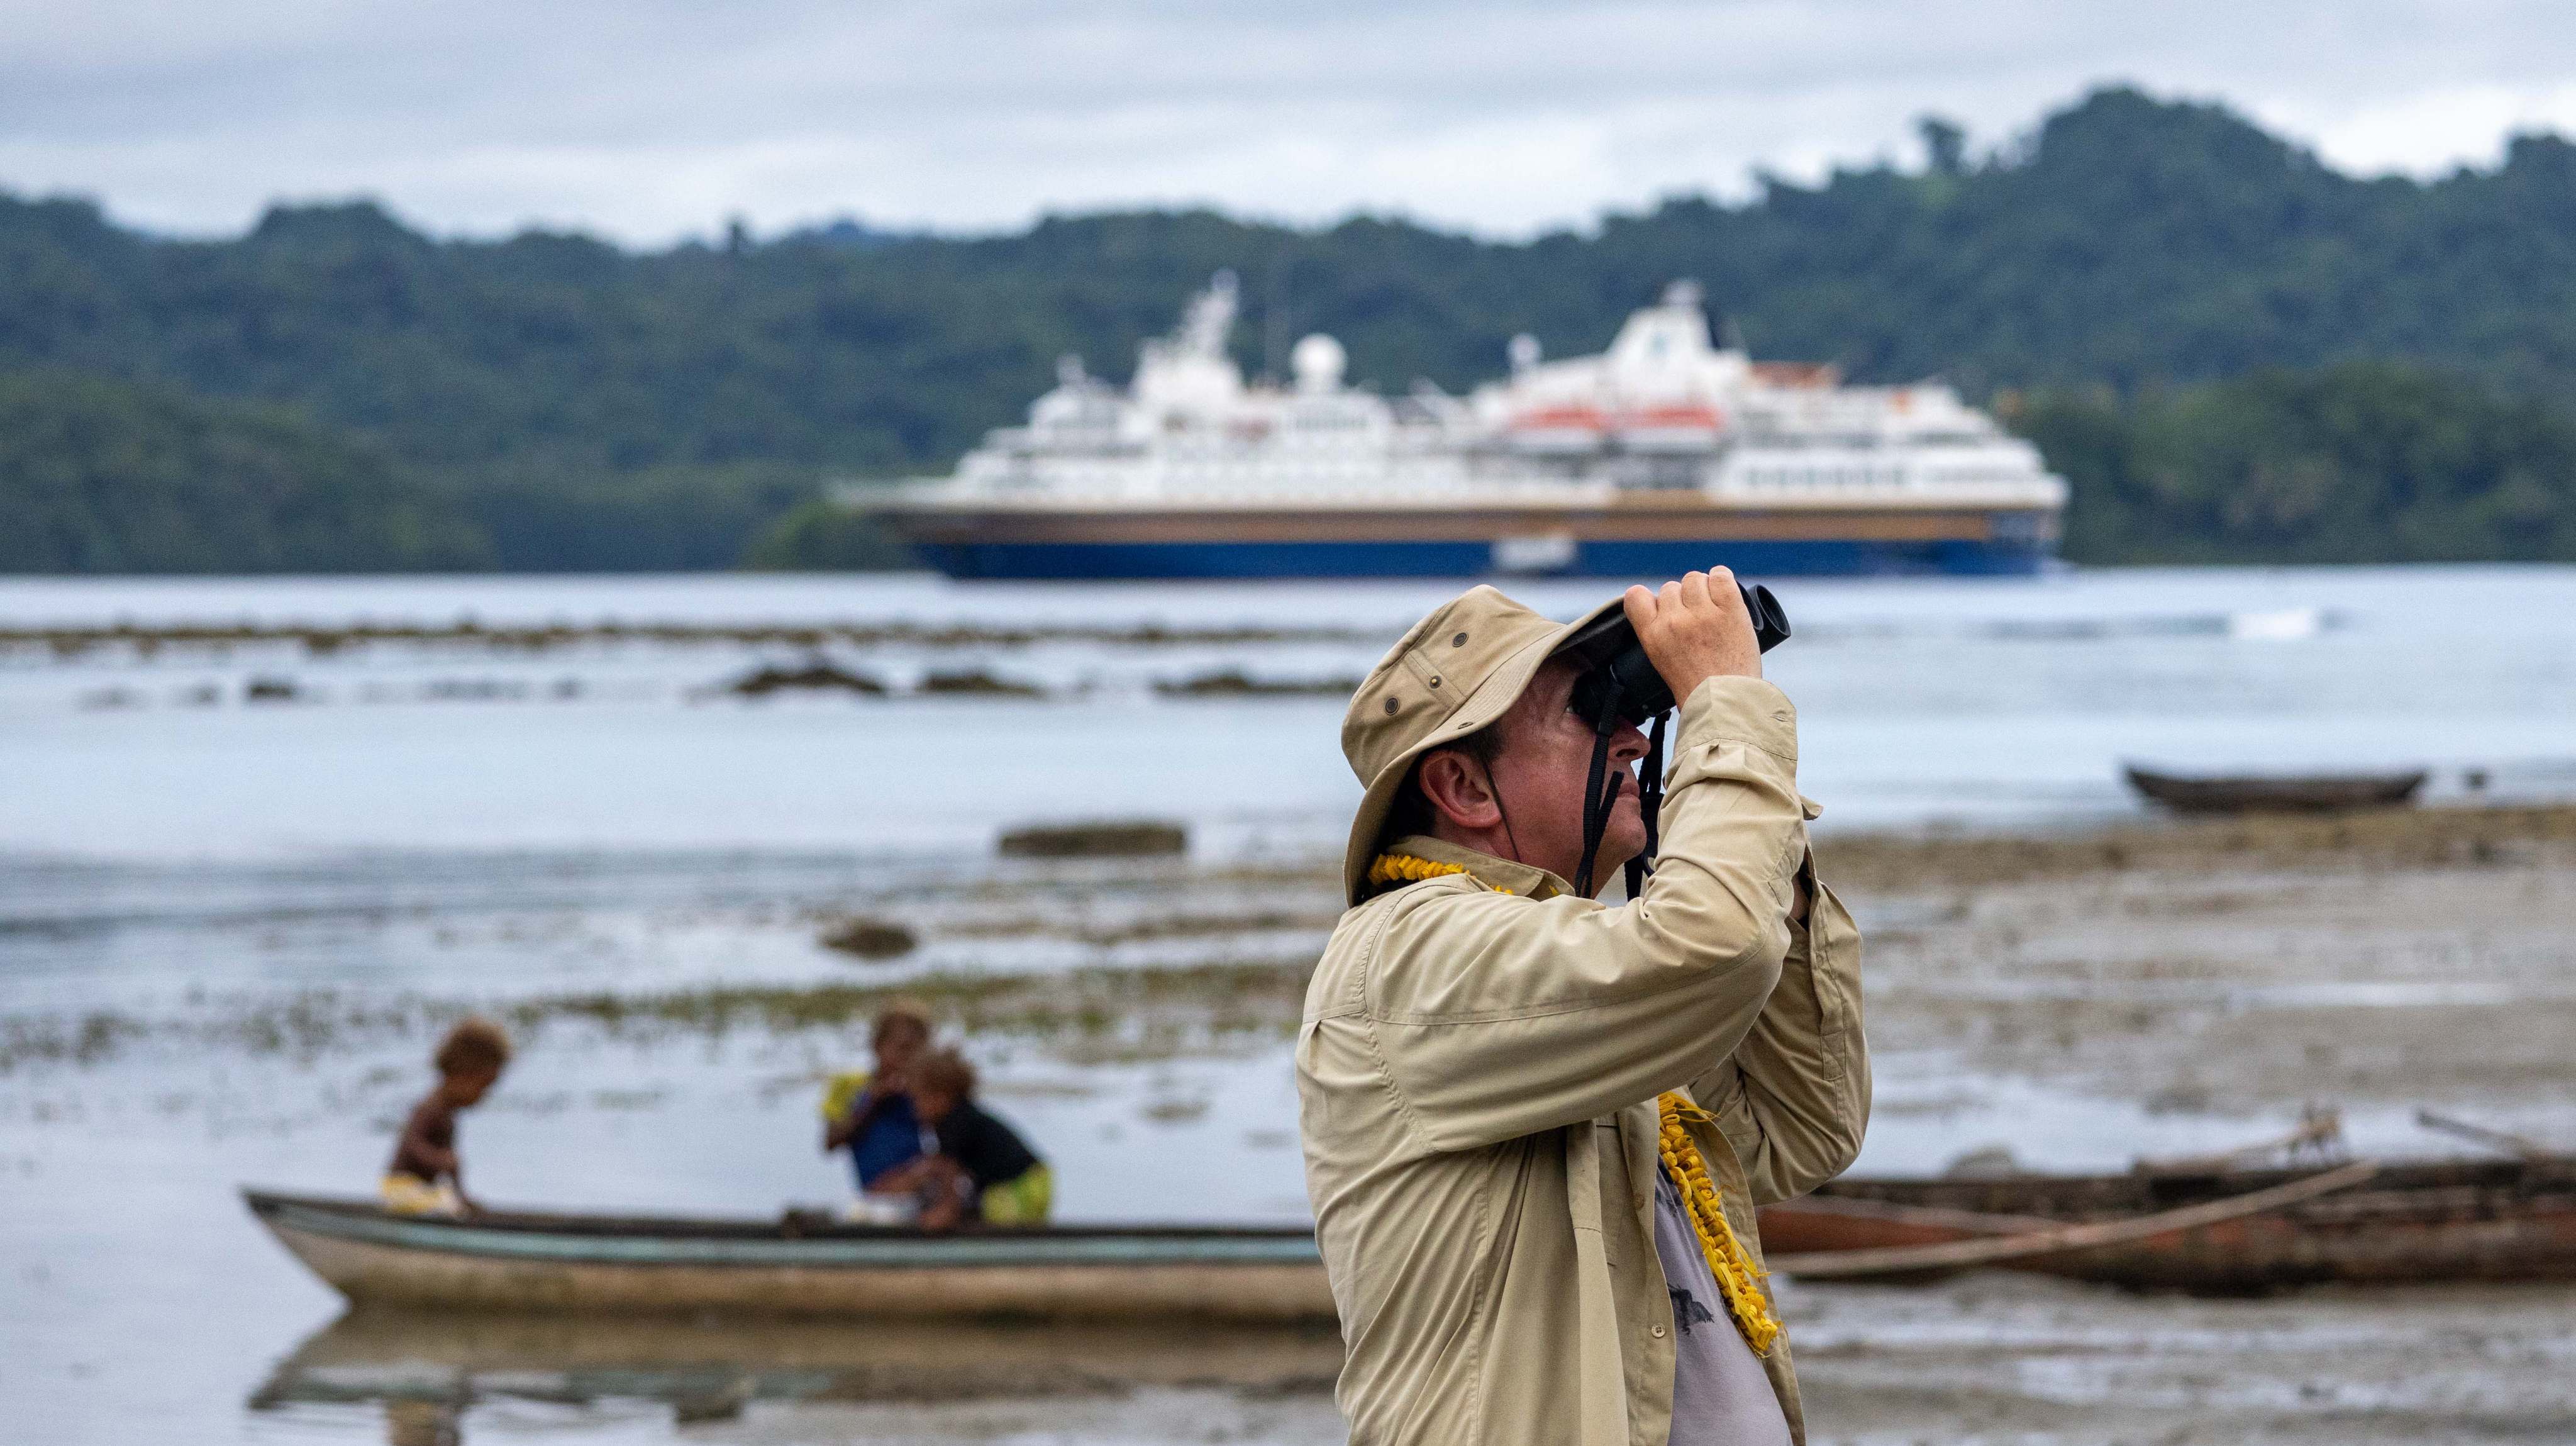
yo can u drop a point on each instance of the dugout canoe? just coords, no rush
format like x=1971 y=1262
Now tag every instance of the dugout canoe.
x=798 y=1266
x=2393 y=1224
x=2276 y=793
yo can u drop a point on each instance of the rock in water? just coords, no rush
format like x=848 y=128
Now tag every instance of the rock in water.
x=1104 y=839
x=869 y=938
x=977 y=683
x=1235 y=683
x=816 y=676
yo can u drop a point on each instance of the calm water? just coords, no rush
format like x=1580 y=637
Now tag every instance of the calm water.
x=246 y=905
x=1922 y=701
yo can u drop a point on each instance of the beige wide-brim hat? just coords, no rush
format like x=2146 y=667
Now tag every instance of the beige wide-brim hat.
x=1451 y=674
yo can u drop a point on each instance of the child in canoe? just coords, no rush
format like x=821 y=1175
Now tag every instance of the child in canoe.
x=982 y=1167
x=427 y=1177
x=870 y=1115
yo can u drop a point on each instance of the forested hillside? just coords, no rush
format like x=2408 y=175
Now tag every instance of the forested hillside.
x=587 y=406
x=2358 y=462
x=105 y=476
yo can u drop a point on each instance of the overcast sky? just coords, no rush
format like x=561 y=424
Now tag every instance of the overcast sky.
x=649 y=120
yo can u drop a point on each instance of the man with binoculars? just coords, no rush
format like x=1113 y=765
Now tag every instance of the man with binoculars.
x=1536 y=1127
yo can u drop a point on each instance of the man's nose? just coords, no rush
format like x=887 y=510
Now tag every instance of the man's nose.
x=1628 y=744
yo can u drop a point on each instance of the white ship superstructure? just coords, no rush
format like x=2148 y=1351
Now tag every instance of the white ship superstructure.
x=1190 y=428
x=1554 y=467
x=1664 y=407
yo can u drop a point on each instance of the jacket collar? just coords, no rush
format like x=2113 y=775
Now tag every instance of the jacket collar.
x=1526 y=880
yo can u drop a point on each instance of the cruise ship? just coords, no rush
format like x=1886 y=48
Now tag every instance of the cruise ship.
x=1664 y=453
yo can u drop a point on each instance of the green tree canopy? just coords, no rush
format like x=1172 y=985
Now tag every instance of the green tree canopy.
x=2361 y=462
x=593 y=406
x=104 y=476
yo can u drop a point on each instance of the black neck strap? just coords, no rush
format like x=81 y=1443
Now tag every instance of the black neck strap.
x=1601 y=794
x=1596 y=802
x=1650 y=804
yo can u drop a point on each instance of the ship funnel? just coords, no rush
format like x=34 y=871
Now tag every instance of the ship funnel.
x=1210 y=316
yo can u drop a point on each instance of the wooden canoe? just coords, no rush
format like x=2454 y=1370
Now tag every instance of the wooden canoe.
x=588 y=1264
x=2404 y=1224
x=2276 y=793
x=2426 y=1223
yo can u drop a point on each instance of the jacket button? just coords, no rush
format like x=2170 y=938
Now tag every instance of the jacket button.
x=1659 y=1332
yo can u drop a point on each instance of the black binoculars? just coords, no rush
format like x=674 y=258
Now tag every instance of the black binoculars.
x=1619 y=682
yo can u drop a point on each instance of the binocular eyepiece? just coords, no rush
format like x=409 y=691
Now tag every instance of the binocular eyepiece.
x=1618 y=677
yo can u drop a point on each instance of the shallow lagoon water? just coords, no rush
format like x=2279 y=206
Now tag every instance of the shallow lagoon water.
x=238 y=921
x=1921 y=700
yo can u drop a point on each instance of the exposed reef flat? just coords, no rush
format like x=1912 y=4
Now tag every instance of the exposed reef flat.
x=322 y=640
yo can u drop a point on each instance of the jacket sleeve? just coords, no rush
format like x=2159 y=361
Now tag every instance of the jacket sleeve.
x=1793 y=1098
x=1495 y=1017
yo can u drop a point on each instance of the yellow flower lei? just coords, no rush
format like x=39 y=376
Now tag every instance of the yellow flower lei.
x=1389 y=869
x=1736 y=1273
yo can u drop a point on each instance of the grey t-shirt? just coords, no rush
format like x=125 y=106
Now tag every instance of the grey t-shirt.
x=1720 y=1395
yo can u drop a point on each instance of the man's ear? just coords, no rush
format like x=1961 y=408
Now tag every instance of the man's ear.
x=1459 y=790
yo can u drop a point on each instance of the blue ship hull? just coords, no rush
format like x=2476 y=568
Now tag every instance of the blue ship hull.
x=1104 y=561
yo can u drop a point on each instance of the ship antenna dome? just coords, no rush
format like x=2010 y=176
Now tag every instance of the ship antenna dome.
x=1068 y=370
x=1523 y=351
x=1684 y=292
x=1317 y=360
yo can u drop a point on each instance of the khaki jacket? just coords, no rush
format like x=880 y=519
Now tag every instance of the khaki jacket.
x=1476 y=1075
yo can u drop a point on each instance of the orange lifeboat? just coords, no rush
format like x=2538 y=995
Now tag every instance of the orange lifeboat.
x=1671 y=427
x=1573 y=427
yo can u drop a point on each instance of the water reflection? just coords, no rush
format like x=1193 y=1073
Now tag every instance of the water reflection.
x=429 y=1371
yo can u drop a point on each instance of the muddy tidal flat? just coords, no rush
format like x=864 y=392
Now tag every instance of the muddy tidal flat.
x=260 y=840
x=2077 y=997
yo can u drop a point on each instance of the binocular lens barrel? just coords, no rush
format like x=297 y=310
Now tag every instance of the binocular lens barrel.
x=1619 y=677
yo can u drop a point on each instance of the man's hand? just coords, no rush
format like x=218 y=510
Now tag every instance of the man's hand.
x=1696 y=629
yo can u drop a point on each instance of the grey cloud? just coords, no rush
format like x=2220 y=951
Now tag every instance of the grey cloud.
x=648 y=120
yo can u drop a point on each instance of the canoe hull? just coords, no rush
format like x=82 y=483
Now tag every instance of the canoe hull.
x=2503 y=1222
x=2315 y=793
x=379 y=1260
